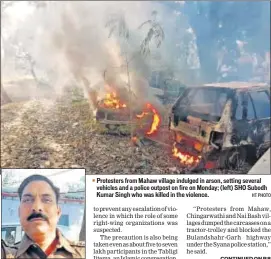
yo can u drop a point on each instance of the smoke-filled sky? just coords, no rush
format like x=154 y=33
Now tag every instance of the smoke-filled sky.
x=69 y=39
x=80 y=28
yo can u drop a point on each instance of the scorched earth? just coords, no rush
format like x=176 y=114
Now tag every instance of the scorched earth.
x=62 y=134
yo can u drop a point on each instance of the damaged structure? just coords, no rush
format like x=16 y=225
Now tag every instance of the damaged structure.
x=221 y=125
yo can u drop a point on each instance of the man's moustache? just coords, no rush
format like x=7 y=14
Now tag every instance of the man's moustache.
x=37 y=215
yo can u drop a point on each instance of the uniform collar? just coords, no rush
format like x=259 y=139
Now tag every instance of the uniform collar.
x=27 y=242
x=24 y=245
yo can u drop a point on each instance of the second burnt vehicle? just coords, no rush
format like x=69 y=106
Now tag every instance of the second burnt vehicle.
x=222 y=125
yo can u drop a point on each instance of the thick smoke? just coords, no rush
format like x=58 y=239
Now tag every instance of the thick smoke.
x=70 y=45
x=70 y=42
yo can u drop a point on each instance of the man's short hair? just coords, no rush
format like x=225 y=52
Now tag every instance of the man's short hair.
x=34 y=178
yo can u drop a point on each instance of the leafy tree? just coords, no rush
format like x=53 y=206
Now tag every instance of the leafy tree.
x=12 y=47
x=27 y=62
x=155 y=32
x=117 y=25
x=4 y=95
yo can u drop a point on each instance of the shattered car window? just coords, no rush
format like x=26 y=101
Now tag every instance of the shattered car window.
x=261 y=104
x=207 y=104
x=187 y=97
x=244 y=109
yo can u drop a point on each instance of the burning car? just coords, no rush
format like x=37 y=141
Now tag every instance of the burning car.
x=111 y=108
x=113 y=111
x=221 y=125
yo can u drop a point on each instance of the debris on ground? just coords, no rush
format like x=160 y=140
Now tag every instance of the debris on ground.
x=63 y=134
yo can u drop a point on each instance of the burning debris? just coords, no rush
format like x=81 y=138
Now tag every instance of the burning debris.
x=185 y=158
x=156 y=119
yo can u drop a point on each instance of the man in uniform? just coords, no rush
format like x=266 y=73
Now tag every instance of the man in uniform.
x=39 y=213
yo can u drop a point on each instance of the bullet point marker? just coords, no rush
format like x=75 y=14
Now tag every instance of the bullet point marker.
x=93 y=180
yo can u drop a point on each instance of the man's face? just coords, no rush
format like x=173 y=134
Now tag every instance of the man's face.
x=38 y=211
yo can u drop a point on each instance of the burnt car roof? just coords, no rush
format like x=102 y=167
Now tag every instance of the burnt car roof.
x=238 y=85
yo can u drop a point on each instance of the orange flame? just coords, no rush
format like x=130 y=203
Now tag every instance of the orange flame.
x=185 y=159
x=155 y=124
x=111 y=101
x=155 y=119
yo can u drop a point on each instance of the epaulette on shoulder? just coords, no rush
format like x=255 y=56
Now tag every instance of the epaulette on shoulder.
x=78 y=243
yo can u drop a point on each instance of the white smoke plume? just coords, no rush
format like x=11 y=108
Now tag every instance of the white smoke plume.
x=70 y=45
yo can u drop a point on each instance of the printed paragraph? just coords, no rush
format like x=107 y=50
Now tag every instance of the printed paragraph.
x=196 y=217
x=228 y=227
x=200 y=187
x=136 y=247
x=113 y=219
x=116 y=219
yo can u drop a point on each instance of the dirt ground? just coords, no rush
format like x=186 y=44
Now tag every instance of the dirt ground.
x=62 y=134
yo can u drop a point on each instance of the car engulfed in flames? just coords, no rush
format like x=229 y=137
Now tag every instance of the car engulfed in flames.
x=112 y=112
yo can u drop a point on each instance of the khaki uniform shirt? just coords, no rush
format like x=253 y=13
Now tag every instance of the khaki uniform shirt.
x=28 y=249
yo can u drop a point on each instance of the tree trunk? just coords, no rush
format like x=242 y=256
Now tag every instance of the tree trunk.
x=4 y=96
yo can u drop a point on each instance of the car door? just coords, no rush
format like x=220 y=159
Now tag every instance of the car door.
x=243 y=119
x=261 y=126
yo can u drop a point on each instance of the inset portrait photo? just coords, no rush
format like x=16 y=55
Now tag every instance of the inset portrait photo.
x=43 y=213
